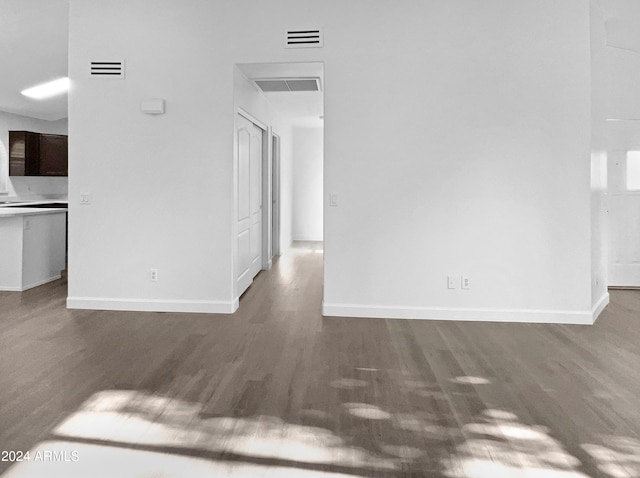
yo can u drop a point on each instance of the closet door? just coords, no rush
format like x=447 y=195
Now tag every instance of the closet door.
x=249 y=202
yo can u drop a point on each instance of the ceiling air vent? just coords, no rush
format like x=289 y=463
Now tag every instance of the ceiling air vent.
x=269 y=85
x=107 y=69
x=304 y=38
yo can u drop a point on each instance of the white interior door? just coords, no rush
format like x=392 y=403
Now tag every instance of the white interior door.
x=624 y=219
x=249 y=206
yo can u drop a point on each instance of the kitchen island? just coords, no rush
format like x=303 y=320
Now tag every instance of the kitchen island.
x=32 y=246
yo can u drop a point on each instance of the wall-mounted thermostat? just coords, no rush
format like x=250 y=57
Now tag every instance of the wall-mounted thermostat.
x=153 y=106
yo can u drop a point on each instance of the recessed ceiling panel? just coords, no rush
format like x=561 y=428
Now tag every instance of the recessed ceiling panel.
x=303 y=84
x=272 y=85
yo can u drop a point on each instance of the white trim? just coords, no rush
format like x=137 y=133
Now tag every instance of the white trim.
x=41 y=282
x=599 y=306
x=150 y=305
x=250 y=117
x=10 y=289
x=29 y=286
x=267 y=195
x=540 y=316
x=308 y=238
x=275 y=195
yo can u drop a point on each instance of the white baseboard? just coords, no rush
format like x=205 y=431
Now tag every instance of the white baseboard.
x=29 y=286
x=141 y=305
x=477 y=315
x=10 y=288
x=41 y=282
x=599 y=306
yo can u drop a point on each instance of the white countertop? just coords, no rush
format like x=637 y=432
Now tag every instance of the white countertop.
x=30 y=203
x=27 y=211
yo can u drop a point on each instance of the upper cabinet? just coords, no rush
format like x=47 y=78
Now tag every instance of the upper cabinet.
x=53 y=155
x=37 y=154
x=24 y=153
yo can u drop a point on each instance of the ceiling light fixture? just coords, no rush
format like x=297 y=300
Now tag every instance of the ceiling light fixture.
x=47 y=90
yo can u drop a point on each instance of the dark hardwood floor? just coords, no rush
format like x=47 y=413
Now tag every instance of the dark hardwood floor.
x=278 y=390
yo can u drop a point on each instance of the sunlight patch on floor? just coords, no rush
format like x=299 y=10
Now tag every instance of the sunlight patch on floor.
x=497 y=445
x=136 y=418
x=467 y=380
x=617 y=457
x=98 y=461
x=367 y=411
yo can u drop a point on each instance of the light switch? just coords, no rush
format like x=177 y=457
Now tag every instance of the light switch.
x=333 y=199
x=85 y=198
x=452 y=281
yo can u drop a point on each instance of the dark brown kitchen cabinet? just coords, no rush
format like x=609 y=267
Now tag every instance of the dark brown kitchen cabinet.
x=53 y=155
x=37 y=154
x=24 y=153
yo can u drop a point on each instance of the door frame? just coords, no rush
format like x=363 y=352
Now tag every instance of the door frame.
x=275 y=196
x=267 y=206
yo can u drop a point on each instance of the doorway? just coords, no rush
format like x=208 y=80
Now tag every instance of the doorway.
x=285 y=102
x=624 y=219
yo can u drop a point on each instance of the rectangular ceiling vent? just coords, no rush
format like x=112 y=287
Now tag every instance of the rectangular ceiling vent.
x=304 y=38
x=270 y=85
x=107 y=69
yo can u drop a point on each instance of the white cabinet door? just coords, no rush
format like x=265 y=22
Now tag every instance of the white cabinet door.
x=249 y=202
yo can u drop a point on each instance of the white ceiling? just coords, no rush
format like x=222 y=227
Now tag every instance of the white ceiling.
x=300 y=108
x=33 y=50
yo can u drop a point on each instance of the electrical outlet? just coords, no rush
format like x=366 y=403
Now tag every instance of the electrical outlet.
x=465 y=283
x=85 y=199
x=153 y=275
x=27 y=224
x=452 y=282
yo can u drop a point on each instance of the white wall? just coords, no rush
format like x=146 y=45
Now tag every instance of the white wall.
x=12 y=188
x=457 y=138
x=461 y=147
x=307 y=184
x=623 y=69
x=623 y=58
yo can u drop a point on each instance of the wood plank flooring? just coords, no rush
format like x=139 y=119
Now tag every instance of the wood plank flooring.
x=278 y=390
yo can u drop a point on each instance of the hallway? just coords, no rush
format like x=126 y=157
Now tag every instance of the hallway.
x=278 y=390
